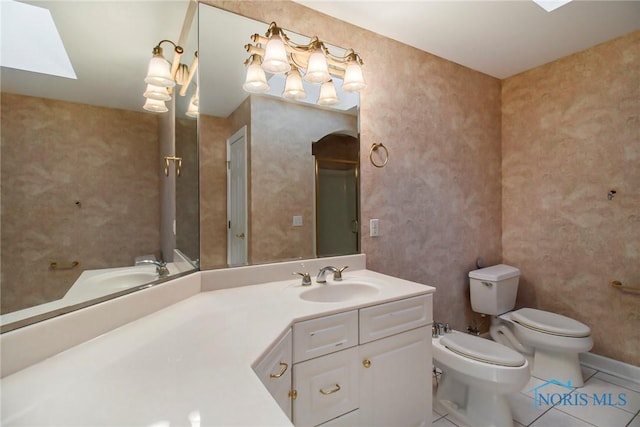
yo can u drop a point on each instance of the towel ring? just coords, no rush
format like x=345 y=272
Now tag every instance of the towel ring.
x=374 y=147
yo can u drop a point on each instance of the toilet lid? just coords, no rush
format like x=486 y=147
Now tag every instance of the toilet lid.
x=481 y=349
x=550 y=323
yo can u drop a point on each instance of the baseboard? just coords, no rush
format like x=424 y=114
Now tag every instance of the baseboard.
x=611 y=366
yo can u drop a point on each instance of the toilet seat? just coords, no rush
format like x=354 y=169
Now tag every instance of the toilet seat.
x=550 y=323
x=482 y=350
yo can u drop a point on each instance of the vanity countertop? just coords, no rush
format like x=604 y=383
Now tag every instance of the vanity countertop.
x=187 y=364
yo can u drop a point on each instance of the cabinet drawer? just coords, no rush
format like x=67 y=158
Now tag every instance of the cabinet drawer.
x=326 y=387
x=316 y=337
x=347 y=420
x=394 y=317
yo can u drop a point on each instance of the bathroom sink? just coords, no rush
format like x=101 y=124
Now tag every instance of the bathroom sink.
x=338 y=292
x=125 y=279
x=96 y=283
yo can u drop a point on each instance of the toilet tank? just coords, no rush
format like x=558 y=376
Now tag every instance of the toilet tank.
x=493 y=289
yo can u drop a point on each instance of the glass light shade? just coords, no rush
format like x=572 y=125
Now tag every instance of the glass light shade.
x=353 y=79
x=155 y=106
x=317 y=69
x=192 y=110
x=328 y=94
x=159 y=72
x=157 y=92
x=293 y=87
x=256 y=80
x=275 y=57
x=196 y=98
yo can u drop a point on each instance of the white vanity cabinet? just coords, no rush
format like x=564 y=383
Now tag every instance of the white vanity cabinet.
x=365 y=367
x=274 y=370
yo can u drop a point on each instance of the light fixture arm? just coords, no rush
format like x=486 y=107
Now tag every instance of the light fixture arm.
x=178 y=51
x=158 y=48
x=274 y=30
x=192 y=72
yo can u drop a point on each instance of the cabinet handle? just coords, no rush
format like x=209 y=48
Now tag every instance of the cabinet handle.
x=366 y=363
x=281 y=373
x=333 y=390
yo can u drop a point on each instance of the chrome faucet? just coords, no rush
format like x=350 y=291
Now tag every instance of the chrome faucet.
x=306 y=279
x=337 y=273
x=161 y=267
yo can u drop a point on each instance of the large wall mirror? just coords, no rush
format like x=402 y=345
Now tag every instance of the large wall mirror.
x=83 y=185
x=84 y=193
x=279 y=177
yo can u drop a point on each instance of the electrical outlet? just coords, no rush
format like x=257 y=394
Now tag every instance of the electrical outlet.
x=374 y=228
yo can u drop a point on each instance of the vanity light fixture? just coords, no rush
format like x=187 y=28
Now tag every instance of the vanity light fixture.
x=192 y=109
x=275 y=53
x=163 y=75
x=328 y=94
x=293 y=87
x=157 y=92
x=161 y=72
x=256 y=80
x=155 y=105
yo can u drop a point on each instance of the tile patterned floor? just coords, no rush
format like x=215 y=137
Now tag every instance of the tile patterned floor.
x=526 y=414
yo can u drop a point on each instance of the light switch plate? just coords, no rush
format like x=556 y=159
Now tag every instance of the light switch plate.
x=374 y=228
x=297 y=220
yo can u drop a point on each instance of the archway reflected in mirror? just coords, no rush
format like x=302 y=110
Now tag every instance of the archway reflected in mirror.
x=337 y=210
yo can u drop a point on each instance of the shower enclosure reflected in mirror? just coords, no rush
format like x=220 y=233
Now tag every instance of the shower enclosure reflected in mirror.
x=337 y=182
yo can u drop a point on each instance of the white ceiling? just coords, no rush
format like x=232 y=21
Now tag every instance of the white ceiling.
x=109 y=42
x=499 y=38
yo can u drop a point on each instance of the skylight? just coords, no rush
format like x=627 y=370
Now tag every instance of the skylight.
x=551 y=5
x=30 y=40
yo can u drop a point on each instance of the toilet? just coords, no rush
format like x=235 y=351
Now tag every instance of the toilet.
x=477 y=375
x=551 y=342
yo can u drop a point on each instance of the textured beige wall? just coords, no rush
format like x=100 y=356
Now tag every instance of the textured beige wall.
x=571 y=133
x=214 y=132
x=439 y=198
x=55 y=153
x=187 y=191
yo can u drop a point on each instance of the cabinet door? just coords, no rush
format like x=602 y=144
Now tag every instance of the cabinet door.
x=274 y=370
x=395 y=380
x=326 y=387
